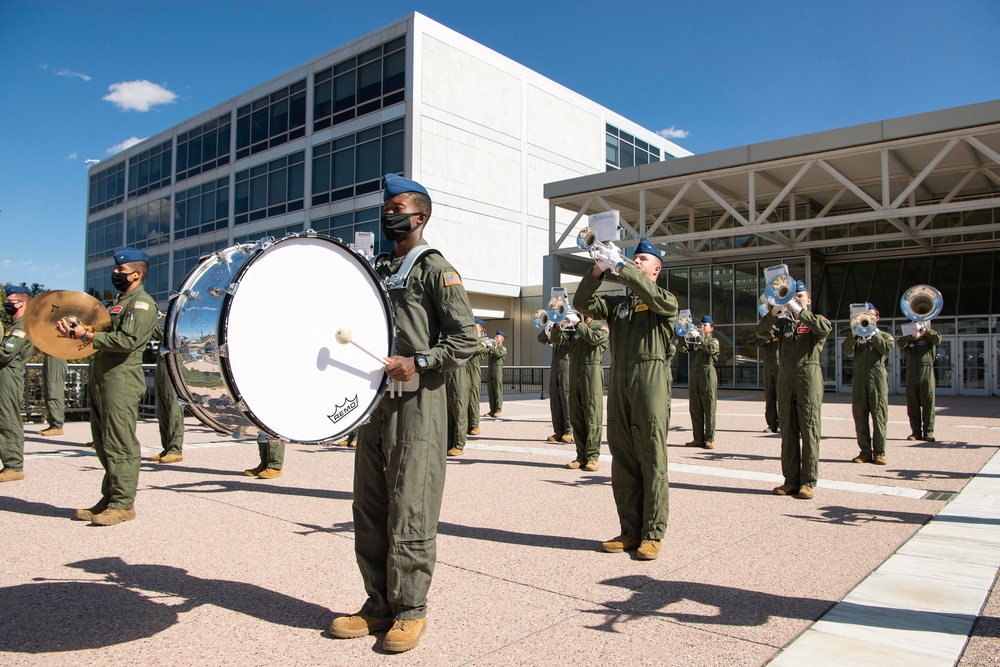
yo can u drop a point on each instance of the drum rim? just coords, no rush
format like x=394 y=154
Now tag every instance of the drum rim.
x=223 y=338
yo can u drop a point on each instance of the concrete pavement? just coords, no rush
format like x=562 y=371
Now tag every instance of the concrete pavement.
x=887 y=565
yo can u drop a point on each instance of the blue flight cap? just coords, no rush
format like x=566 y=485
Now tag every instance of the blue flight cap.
x=397 y=185
x=15 y=289
x=800 y=286
x=707 y=319
x=500 y=333
x=648 y=248
x=481 y=322
x=127 y=255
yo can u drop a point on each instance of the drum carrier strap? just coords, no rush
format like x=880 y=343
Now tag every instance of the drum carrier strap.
x=398 y=280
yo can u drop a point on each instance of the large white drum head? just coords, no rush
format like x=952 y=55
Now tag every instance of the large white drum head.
x=282 y=355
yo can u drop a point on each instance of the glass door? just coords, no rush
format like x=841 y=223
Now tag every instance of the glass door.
x=944 y=367
x=974 y=366
x=996 y=365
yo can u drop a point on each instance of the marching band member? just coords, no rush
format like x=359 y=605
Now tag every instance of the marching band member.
x=768 y=346
x=562 y=429
x=496 y=353
x=920 y=349
x=474 y=376
x=588 y=341
x=703 y=387
x=870 y=389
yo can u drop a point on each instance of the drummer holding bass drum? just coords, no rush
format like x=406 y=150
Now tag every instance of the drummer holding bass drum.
x=400 y=464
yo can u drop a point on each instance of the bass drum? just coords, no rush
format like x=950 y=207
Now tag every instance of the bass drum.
x=250 y=339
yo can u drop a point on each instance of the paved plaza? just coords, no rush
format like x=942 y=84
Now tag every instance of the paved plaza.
x=891 y=565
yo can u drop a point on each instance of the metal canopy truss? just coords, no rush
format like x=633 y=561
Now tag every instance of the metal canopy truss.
x=907 y=193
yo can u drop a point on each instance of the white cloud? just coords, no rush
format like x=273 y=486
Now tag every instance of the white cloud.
x=128 y=143
x=71 y=156
x=138 y=95
x=673 y=133
x=68 y=73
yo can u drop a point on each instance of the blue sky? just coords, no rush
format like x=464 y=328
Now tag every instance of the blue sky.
x=714 y=74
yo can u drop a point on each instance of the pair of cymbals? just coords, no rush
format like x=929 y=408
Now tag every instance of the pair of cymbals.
x=47 y=308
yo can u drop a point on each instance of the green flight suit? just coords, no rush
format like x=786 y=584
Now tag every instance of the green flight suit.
x=474 y=382
x=703 y=386
x=671 y=357
x=494 y=384
x=800 y=391
x=169 y=413
x=558 y=381
x=15 y=349
x=399 y=467
x=870 y=390
x=54 y=372
x=641 y=325
x=116 y=387
x=271 y=453
x=769 y=371
x=920 y=354
x=458 y=401
x=586 y=388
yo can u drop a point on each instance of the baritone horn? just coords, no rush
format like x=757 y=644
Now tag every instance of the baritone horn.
x=684 y=325
x=921 y=303
x=780 y=286
x=541 y=318
x=862 y=323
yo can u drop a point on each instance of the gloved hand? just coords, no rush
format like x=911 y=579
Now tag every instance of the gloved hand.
x=794 y=306
x=608 y=259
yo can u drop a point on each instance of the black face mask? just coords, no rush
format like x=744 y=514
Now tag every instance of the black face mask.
x=120 y=281
x=9 y=308
x=396 y=226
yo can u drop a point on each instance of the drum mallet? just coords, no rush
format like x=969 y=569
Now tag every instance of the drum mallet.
x=344 y=336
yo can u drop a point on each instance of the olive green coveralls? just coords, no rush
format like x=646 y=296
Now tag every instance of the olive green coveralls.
x=641 y=325
x=117 y=385
x=474 y=382
x=769 y=372
x=703 y=387
x=494 y=384
x=15 y=349
x=399 y=467
x=54 y=371
x=870 y=390
x=458 y=401
x=586 y=388
x=800 y=391
x=558 y=381
x=169 y=413
x=920 y=354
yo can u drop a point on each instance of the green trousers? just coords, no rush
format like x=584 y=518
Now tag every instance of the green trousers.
x=272 y=454
x=114 y=411
x=702 y=401
x=920 y=399
x=770 y=377
x=800 y=404
x=54 y=372
x=870 y=398
x=474 y=385
x=559 y=390
x=586 y=408
x=495 y=387
x=399 y=473
x=169 y=413
x=458 y=414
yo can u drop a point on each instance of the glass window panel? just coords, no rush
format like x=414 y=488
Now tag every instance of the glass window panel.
x=321 y=174
x=368 y=161
x=722 y=294
x=258 y=192
x=885 y=286
x=277 y=185
x=945 y=277
x=258 y=126
x=394 y=71
x=392 y=153
x=626 y=156
x=857 y=283
x=747 y=287
x=977 y=281
x=369 y=82
x=677 y=284
x=343 y=168
x=296 y=181
x=344 y=91
x=701 y=291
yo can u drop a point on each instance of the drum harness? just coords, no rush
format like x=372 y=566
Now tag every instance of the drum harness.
x=398 y=281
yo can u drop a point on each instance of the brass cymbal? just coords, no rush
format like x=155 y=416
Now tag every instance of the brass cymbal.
x=47 y=308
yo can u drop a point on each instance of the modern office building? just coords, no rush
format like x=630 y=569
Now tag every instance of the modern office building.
x=307 y=149
x=859 y=213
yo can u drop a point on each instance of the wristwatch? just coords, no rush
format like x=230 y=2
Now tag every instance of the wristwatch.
x=421 y=362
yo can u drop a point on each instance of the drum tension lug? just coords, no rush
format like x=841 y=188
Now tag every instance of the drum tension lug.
x=231 y=288
x=191 y=295
x=223 y=350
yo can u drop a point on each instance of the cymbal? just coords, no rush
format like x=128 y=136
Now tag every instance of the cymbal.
x=47 y=308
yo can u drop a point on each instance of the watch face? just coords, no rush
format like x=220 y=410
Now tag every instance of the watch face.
x=421 y=361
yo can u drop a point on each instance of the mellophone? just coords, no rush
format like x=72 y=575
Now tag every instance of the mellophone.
x=281 y=339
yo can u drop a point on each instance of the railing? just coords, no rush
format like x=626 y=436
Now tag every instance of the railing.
x=78 y=391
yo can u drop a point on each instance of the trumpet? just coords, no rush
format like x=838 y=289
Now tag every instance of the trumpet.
x=541 y=318
x=684 y=324
x=557 y=309
x=764 y=306
x=587 y=240
x=780 y=287
x=862 y=322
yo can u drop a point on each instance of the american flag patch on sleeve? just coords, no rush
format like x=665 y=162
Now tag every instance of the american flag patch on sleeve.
x=451 y=278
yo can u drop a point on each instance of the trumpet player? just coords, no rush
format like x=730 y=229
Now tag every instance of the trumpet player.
x=559 y=339
x=588 y=341
x=496 y=353
x=703 y=388
x=474 y=378
x=920 y=349
x=641 y=323
x=870 y=388
x=768 y=347
x=800 y=389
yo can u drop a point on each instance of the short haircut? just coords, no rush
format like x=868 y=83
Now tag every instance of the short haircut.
x=140 y=266
x=421 y=202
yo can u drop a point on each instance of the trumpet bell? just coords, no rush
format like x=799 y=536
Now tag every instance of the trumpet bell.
x=780 y=289
x=557 y=309
x=586 y=239
x=921 y=303
x=863 y=325
x=684 y=325
x=763 y=307
x=541 y=318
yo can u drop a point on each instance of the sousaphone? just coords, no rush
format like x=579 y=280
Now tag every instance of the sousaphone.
x=47 y=308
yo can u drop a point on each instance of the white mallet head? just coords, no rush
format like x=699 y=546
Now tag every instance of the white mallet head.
x=344 y=335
